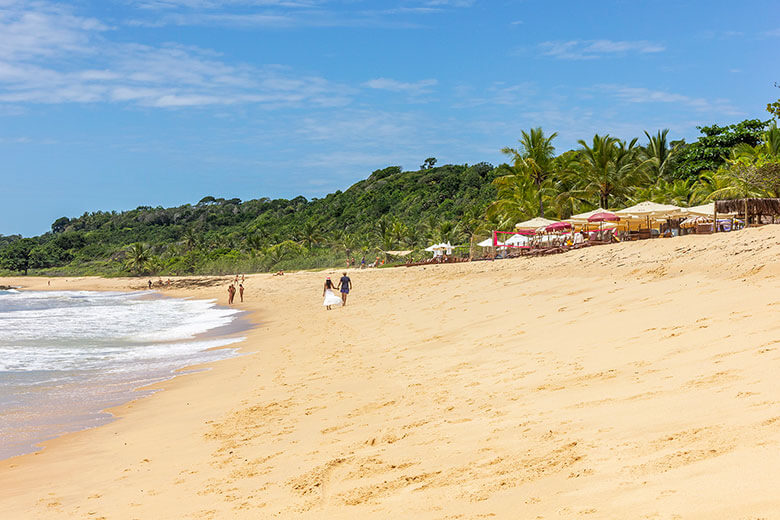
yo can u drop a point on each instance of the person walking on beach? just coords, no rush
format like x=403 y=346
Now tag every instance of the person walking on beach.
x=150 y=284
x=241 y=292
x=231 y=293
x=330 y=297
x=345 y=284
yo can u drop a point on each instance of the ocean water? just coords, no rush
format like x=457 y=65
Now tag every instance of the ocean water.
x=67 y=355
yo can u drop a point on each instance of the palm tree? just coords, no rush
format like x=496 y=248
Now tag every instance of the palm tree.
x=608 y=168
x=534 y=158
x=515 y=200
x=138 y=257
x=310 y=234
x=710 y=186
x=399 y=231
x=770 y=145
x=155 y=264
x=470 y=223
x=415 y=237
x=679 y=192
x=658 y=155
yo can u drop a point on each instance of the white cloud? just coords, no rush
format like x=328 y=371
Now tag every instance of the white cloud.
x=43 y=31
x=498 y=93
x=41 y=47
x=645 y=95
x=416 y=88
x=280 y=14
x=592 y=49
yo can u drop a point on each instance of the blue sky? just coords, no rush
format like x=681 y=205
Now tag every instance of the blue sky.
x=112 y=104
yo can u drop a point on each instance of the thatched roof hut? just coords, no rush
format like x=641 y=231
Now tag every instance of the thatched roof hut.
x=764 y=207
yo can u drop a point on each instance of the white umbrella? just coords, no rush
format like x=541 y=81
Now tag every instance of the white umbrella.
x=534 y=223
x=488 y=242
x=582 y=218
x=517 y=240
x=650 y=209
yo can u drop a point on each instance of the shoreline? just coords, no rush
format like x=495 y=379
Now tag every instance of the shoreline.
x=98 y=417
x=619 y=381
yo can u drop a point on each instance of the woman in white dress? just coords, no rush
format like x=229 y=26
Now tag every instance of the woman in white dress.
x=331 y=298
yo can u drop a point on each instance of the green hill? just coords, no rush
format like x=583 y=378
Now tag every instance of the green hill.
x=391 y=209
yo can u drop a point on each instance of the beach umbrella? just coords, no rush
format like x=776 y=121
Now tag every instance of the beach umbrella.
x=517 y=240
x=533 y=224
x=558 y=226
x=604 y=216
x=488 y=242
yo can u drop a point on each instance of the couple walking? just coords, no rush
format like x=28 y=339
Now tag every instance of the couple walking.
x=345 y=284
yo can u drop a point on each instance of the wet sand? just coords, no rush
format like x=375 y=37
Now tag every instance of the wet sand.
x=629 y=381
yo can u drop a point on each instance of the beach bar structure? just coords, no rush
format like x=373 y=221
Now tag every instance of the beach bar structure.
x=759 y=209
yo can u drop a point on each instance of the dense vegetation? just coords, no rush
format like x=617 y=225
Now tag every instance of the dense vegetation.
x=392 y=209
x=408 y=210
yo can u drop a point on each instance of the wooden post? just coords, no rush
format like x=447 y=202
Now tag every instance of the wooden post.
x=747 y=217
x=715 y=219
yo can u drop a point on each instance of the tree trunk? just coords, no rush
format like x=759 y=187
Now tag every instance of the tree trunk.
x=541 y=203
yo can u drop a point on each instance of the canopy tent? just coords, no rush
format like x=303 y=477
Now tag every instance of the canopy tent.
x=438 y=249
x=648 y=209
x=705 y=210
x=488 y=242
x=533 y=224
x=557 y=226
x=582 y=218
x=517 y=240
x=604 y=216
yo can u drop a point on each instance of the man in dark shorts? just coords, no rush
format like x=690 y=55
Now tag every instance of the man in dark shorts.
x=345 y=284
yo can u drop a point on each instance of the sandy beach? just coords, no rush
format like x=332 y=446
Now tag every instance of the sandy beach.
x=635 y=380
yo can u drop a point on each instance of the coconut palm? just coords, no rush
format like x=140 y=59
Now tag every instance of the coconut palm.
x=415 y=237
x=310 y=234
x=679 y=192
x=658 y=155
x=470 y=224
x=534 y=158
x=138 y=256
x=608 y=168
x=516 y=199
x=155 y=264
x=399 y=231
x=769 y=146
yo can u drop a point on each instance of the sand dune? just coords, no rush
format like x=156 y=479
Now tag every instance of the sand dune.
x=628 y=381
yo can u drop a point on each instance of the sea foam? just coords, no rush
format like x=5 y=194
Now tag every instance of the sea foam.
x=66 y=355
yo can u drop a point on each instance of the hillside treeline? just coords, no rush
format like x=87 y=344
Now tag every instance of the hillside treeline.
x=408 y=210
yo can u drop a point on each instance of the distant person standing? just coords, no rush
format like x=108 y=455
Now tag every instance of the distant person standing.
x=150 y=284
x=345 y=284
x=241 y=292
x=231 y=293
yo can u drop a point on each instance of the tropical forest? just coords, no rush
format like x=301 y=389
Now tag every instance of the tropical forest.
x=394 y=211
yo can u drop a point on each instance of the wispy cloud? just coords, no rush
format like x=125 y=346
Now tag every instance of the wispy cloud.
x=773 y=33
x=416 y=88
x=43 y=47
x=646 y=95
x=498 y=93
x=593 y=49
x=280 y=14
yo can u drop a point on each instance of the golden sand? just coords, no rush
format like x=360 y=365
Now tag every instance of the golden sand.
x=636 y=380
